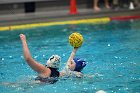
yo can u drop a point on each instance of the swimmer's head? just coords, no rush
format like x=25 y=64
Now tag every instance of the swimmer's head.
x=54 y=61
x=79 y=64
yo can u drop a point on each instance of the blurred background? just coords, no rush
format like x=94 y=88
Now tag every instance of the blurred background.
x=24 y=11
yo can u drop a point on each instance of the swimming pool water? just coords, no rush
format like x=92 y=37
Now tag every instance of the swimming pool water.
x=112 y=52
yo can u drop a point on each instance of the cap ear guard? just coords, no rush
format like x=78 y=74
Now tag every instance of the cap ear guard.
x=80 y=64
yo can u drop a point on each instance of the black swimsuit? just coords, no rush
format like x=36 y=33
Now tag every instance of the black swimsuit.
x=53 y=77
x=54 y=72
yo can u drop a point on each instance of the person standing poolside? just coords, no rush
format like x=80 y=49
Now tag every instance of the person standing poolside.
x=96 y=7
x=48 y=73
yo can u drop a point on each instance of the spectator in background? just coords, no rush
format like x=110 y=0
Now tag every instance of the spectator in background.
x=116 y=5
x=96 y=7
x=136 y=2
x=124 y=4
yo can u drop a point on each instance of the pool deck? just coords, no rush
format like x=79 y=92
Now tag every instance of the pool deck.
x=62 y=15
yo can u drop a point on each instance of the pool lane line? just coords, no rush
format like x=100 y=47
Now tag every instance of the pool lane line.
x=125 y=17
x=82 y=21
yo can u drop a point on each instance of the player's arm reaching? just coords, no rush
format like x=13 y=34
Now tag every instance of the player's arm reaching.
x=72 y=55
x=31 y=62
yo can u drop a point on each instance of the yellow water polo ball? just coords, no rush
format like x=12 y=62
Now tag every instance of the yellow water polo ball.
x=76 y=39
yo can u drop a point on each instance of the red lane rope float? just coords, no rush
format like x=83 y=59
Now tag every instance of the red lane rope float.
x=125 y=17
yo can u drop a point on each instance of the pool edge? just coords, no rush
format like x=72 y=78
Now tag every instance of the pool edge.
x=33 y=25
x=80 y=21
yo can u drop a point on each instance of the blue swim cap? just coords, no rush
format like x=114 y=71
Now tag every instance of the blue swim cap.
x=80 y=64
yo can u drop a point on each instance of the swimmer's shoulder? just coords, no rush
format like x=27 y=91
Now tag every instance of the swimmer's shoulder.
x=61 y=74
x=70 y=73
x=45 y=73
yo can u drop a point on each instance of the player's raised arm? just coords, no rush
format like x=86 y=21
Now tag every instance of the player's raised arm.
x=31 y=62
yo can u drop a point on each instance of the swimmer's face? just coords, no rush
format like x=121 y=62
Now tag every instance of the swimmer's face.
x=72 y=65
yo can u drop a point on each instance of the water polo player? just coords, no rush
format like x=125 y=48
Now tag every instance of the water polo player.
x=74 y=65
x=48 y=73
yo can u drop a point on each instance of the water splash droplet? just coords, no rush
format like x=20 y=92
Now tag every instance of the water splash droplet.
x=108 y=45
